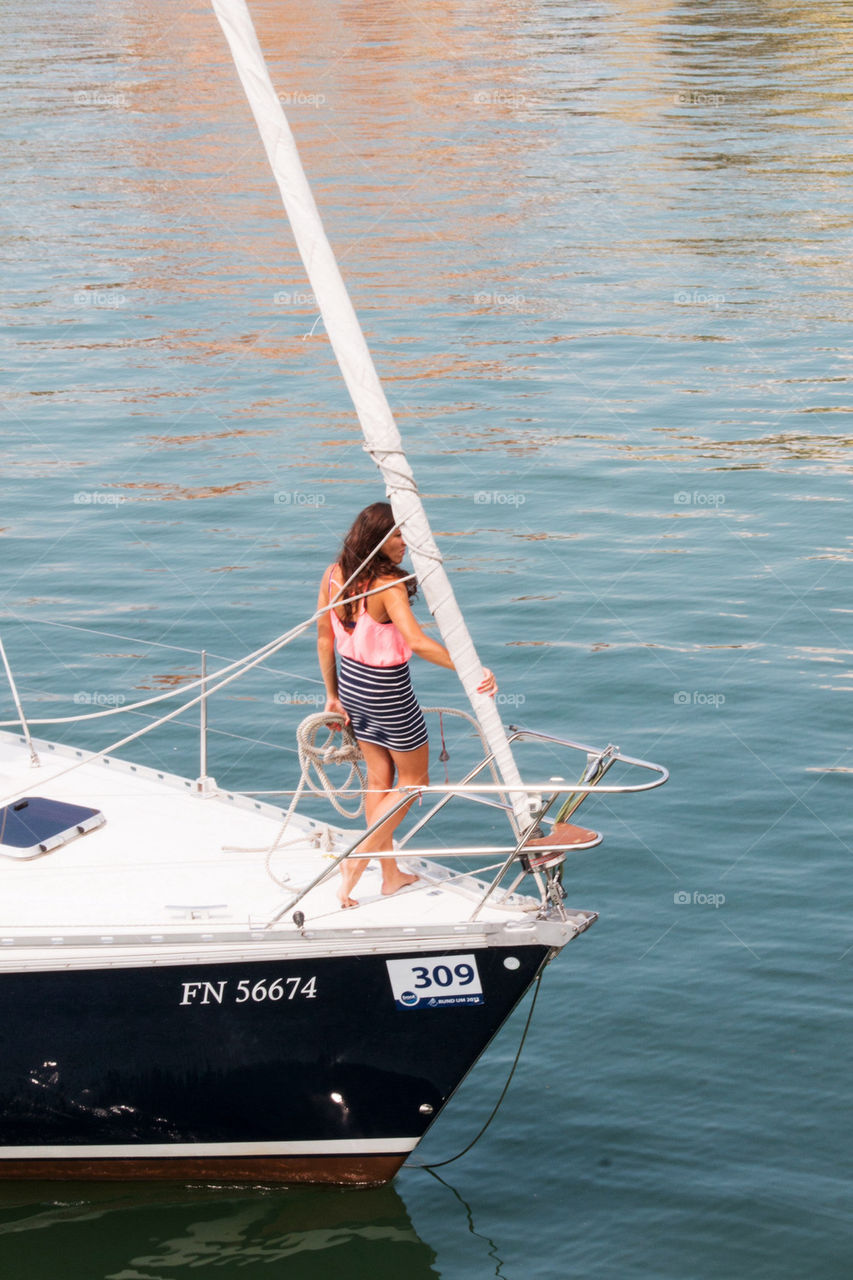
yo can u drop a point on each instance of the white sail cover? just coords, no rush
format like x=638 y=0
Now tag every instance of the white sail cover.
x=356 y=364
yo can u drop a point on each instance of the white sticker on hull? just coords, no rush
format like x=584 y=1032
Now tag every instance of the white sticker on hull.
x=427 y=982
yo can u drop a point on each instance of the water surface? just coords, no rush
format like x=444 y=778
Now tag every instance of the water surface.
x=601 y=253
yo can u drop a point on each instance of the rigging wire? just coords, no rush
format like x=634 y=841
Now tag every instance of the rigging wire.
x=236 y=670
x=439 y=1164
x=251 y=660
x=156 y=644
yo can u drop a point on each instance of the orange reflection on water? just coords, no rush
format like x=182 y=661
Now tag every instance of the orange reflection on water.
x=387 y=105
x=162 y=492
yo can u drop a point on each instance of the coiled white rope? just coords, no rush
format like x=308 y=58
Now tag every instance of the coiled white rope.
x=320 y=757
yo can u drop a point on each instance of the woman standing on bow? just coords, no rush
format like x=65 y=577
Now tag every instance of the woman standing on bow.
x=370 y=686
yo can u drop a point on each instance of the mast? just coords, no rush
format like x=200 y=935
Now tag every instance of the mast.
x=356 y=364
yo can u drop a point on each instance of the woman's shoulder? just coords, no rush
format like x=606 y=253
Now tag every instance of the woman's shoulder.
x=391 y=598
x=330 y=583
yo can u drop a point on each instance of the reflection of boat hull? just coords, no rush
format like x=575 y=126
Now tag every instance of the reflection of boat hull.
x=172 y=1229
x=271 y=1071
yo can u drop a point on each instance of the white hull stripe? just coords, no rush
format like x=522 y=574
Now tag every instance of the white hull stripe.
x=205 y=1150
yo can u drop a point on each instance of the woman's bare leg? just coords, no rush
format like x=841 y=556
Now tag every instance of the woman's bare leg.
x=412 y=769
x=380 y=779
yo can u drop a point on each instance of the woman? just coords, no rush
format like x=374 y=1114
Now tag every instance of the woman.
x=371 y=688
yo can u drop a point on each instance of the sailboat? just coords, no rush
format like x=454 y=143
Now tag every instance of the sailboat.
x=180 y=994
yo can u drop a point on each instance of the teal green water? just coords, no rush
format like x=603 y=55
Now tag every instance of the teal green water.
x=602 y=255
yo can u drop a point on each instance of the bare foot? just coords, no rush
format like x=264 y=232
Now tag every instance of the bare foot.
x=350 y=873
x=345 y=888
x=396 y=881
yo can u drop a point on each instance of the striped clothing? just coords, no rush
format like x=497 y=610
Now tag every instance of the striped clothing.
x=381 y=705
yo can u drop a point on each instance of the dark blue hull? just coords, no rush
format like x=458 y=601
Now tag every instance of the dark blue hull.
x=328 y=1069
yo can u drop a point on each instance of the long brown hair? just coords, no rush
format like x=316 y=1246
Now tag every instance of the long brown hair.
x=369 y=528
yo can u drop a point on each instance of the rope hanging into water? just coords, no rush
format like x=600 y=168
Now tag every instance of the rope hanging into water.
x=439 y=1164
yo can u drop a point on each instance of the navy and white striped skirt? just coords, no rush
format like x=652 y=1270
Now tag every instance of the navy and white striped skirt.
x=381 y=705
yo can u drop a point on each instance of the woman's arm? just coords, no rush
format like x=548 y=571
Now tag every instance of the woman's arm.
x=396 y=602
x=326 y=651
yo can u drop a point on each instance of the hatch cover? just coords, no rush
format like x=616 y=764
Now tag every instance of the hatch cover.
x=34 y=825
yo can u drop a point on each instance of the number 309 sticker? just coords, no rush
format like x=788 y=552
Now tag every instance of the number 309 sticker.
x=429 y=981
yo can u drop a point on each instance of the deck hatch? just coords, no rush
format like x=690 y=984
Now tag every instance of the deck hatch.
x=34 y=825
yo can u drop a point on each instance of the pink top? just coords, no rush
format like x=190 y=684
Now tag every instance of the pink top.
x=376 y=644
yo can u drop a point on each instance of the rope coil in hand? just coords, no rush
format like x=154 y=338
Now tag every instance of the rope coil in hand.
x=321 y=756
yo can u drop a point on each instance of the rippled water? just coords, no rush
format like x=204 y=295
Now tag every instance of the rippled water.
x=602 y=256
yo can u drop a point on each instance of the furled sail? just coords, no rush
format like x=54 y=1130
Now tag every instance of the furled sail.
x=356 y=364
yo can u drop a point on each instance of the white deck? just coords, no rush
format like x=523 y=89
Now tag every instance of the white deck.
x=165 y=871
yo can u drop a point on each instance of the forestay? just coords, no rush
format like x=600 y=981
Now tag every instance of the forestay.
x=351 y=351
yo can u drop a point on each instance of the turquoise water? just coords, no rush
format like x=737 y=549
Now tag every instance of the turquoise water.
x=602 y=254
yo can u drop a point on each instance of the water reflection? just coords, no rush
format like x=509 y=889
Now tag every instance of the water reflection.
x=147 y=1232
x=394 y=111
